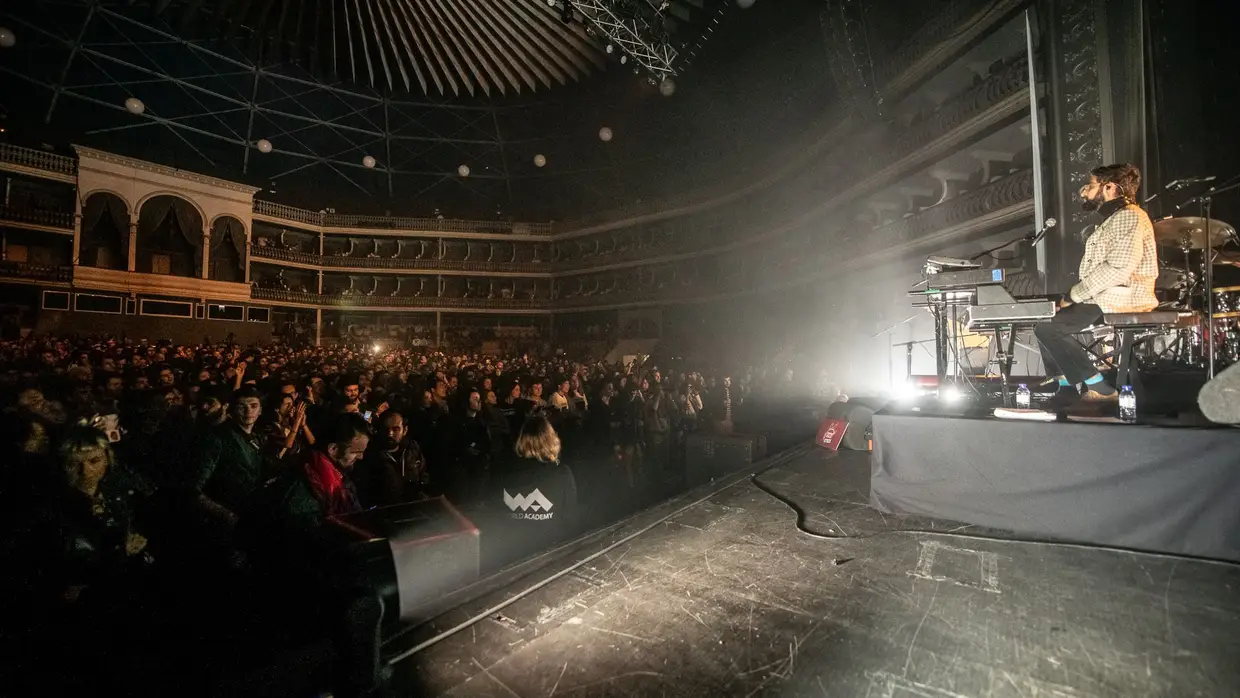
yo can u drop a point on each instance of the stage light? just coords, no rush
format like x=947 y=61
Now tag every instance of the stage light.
x=605 y=134
x=611 y=49
x=951 y=394
x=463 y=170
x=904 y=392
x=7 y=38
x=264 y=146
x=540 y=160
x=667 y=88
x=368 y=162
x=624 y=59
x=377 y=348
x=133 y=105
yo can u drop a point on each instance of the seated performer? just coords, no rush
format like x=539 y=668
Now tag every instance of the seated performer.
x=1117 y=275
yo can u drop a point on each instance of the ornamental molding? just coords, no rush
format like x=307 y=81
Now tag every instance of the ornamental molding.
x=86 y=154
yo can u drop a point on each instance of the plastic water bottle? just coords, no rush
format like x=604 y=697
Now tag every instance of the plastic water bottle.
x=1127 y=404
x=1022 y=396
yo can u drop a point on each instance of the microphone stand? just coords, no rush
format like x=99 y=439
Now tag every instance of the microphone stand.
x=1034 y=239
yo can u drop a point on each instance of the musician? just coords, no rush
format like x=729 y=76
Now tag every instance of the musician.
x=1117 y=275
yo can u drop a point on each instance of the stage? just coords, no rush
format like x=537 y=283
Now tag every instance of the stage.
x=718 y=593
x=1159 y=488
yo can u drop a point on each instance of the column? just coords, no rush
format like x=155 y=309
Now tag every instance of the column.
x=133 y=244
x=438 y=328
x=77 y=231
x=206 y=253
x=248 y=241
x=320 y=243
x=320 y=282
x=318 y=327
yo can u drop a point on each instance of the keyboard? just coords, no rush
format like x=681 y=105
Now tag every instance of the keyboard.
x=1016 y=313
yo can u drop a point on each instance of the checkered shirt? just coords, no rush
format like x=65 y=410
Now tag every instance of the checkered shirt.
x=1120 y=264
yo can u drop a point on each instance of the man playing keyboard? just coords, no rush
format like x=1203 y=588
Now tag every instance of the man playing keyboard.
x=1117 y=275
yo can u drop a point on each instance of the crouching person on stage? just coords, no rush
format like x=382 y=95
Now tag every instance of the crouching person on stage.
x=1117 y=275
x=329 y=585
x=531 y=503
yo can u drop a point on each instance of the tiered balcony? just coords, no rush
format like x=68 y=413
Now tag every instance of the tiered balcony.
x=348 y=223
x=21 y=272
x=398 y=302
x=277 y=254
x=38 y=163
x=37 y=219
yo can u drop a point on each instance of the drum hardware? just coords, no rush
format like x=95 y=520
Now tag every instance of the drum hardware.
x=1205 y=234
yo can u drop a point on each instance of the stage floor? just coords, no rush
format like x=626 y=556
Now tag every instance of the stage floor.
x=728 y=598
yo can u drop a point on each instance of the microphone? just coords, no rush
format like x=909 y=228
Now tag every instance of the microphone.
x=1046 y=226
x=1178 y=184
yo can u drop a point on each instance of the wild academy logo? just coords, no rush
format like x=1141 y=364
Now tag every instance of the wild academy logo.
x=535 y=507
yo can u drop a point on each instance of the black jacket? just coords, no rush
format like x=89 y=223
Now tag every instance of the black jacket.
x=530 y=506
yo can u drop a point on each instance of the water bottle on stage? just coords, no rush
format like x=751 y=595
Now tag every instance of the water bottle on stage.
x=1127 y=404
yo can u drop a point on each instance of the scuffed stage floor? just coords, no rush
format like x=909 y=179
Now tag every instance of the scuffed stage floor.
x=728 y=598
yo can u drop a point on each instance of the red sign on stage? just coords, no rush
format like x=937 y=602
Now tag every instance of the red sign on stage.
x=831 y=433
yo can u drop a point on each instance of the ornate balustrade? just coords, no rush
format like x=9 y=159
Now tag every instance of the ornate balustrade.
x=303 y=216
x=35 y=272
x=358 y=301
x=430 y=265
x=38 y=162
x=61 y=220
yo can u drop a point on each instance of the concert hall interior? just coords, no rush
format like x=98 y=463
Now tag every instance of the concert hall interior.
x=619 y=348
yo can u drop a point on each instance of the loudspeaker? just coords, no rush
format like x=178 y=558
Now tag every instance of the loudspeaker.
x=859 y=414
x=708 y=456
x=434 y=549
x=1219 y=399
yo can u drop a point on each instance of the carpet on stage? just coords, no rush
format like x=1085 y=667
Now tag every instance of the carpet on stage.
x=1163 y=489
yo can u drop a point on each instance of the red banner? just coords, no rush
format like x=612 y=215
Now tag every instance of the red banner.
x=831 y=433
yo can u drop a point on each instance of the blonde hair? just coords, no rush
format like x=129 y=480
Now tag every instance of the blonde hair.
x=80 y=439
x=538 y=439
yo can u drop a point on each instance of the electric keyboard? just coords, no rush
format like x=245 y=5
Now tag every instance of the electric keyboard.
x=1015 y=314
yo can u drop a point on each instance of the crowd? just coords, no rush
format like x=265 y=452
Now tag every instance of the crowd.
x=144 y=479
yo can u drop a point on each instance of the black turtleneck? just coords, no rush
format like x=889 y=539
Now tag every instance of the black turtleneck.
x=1109 y=208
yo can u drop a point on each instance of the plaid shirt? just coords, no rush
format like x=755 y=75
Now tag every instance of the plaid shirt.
x=1120 y=264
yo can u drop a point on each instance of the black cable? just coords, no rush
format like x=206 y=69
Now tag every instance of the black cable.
x=801 y=526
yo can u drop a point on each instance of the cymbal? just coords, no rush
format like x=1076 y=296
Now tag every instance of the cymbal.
x=1174 y=231
x=1229 y=257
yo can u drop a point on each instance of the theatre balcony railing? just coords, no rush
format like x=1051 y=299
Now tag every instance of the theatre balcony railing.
x=334 y=262
x=385 y=301
x=21 y=271
x=37 y=163
x=58 y=220
x=345 y=222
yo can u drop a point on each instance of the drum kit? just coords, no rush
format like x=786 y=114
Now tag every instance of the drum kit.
x=1199 y=275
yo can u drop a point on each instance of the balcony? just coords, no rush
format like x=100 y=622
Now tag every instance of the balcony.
x=42 y=273
x=37 y=219
x=397 y=264
x=426 y=302
x=340 y=222
x=38 y=163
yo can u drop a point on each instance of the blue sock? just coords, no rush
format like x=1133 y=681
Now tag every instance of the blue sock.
x=1094 y=379
x=1063 y=383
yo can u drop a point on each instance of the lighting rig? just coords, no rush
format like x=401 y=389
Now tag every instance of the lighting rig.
x=625 y=24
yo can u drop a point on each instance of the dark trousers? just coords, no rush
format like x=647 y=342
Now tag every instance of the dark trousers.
x=1061 y=352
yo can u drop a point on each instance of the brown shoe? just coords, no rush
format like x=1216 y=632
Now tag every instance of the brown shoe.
x=1097 y=397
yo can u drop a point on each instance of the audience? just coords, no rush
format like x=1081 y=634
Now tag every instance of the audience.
x=211 y=462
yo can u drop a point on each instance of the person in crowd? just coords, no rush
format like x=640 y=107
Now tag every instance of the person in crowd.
x=231 y=466
x=394 y=469
x=535 y=493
